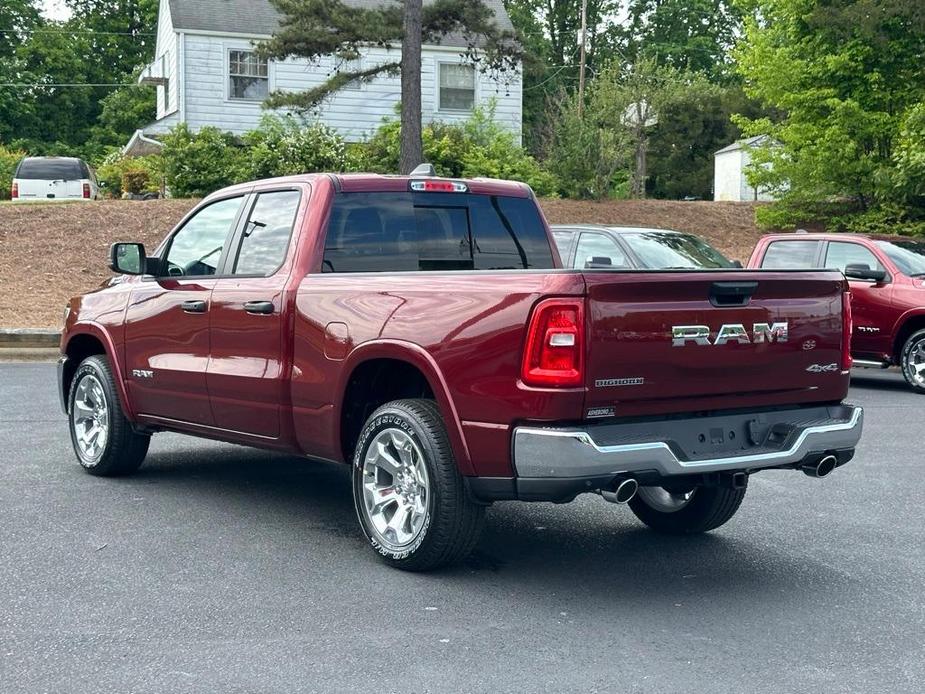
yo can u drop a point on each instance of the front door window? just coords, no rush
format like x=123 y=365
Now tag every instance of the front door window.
x=196 y=249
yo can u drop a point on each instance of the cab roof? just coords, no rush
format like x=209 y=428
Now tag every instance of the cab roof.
x=381 y=183
x=835 y=236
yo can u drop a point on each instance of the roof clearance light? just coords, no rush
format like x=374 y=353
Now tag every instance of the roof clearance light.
x=439 y=186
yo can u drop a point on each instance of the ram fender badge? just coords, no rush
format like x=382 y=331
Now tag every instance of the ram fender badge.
x=142 y=373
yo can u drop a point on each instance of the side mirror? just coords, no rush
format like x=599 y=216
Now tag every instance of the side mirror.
x=127 y=258
x=737 y=264
x=862 y=271
x=599 y=262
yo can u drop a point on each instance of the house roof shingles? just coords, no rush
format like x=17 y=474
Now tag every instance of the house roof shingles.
x=260 y=18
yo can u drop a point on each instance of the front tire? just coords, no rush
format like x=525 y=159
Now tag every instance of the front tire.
x=686 y=512
x=104 y=441
x=912 y=361
x=410 y=499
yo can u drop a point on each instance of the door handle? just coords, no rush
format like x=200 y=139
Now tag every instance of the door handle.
x=262 y=308
x=193 y=306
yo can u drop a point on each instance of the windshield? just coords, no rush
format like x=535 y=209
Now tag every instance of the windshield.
x=909 y=256
x=661 y=250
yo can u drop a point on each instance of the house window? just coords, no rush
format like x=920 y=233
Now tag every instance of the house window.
x=457 y=87
x=248 y=76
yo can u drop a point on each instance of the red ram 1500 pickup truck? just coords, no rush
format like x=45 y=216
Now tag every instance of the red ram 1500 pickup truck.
x=886 y=275
x=422 y=330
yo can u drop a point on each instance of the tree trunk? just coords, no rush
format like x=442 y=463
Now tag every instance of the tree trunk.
x=412 y=148
x=639 y=171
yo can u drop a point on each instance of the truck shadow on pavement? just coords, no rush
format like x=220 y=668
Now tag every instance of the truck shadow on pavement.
x=891 y=380
x=590 y=545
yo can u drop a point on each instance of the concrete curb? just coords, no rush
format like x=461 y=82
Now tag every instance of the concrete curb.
x=29 y=338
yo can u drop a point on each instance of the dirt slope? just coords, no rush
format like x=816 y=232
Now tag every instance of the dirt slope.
x=50 y=252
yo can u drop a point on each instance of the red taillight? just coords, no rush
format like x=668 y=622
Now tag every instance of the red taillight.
x=554 y=354
x=847 y=330
x=14 y=191
x=86 y=191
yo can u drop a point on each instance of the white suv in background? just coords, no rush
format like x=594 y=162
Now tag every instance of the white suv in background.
x=54 y=178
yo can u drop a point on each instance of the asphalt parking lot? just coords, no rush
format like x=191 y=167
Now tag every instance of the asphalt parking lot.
x=223 y=569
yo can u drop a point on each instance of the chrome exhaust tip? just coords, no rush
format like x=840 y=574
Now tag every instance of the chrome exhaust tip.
x=625 y=491
x=820 y=468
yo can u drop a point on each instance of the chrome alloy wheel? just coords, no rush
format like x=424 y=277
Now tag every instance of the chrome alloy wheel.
x=396 y=489
x=660 y=499
x=915 y=363
x=90 y=419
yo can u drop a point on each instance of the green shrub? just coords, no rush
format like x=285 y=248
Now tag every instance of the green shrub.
x=9 y=160
x=477 y=147
x=135 y=182
x=284 y=146
x=845 y=215
x=112 y=170
x=196 y=164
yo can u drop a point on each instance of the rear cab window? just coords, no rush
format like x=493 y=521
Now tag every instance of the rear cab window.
x=409 y=231
x=41 y=169
x=790 y=255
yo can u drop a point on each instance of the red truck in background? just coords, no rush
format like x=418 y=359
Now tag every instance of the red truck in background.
x=423 y=330
x=886 y=275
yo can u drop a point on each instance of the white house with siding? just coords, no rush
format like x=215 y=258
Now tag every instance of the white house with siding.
x=207 y=73
x=729 y=167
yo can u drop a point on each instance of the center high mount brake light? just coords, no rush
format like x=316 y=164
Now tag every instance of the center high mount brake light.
x=439 y=187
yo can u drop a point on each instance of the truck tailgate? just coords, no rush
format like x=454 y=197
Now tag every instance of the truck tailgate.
x=668 y=342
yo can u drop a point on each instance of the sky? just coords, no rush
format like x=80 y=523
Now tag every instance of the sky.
x=55 y=9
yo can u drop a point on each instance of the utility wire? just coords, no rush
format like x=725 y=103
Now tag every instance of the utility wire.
x=29 y=85
x=77 y=31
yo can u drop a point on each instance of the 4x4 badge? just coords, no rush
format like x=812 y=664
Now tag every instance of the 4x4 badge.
x=822 y=368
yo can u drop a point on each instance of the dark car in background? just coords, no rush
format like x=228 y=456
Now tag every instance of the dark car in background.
x=586 y=246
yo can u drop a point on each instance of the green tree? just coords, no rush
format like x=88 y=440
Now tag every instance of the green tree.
x=124 y=111
x=634 y=98
x=550 y=33
x=315 y=28
x=694 y=35
x=52 y=104
x=688 y=133
x=588 y=156
x=847 y=76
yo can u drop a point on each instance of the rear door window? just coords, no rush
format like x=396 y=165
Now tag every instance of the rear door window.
x=595 y=250
x=265 y=239
x=790 y=255
x=404 y=232
x=52 y=170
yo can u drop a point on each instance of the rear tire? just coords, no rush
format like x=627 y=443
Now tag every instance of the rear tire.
x=410 y=499
x=705 y=509
x=912 y=361
x=104 y=441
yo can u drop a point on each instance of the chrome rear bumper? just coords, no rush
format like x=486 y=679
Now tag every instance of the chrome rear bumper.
x=744 y=441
